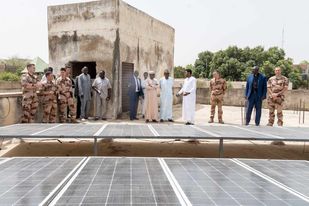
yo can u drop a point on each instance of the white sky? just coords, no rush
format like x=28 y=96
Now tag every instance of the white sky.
x=200 y=25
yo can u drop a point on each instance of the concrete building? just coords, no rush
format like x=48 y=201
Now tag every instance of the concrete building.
x=109 y=35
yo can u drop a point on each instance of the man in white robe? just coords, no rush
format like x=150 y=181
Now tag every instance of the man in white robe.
x=188 y=91
x=166 y=97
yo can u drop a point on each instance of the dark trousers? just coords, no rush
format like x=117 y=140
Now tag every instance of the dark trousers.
x=254 y=101
x=133 y=97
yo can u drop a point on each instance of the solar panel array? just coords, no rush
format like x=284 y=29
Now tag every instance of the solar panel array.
x=152 y=181
x=114 y=130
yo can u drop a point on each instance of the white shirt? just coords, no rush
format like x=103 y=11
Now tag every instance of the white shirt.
x=102 y=85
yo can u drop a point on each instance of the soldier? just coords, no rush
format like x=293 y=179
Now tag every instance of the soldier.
x=65 y=97
x=217 y=90
x=30 y=103
x=277 y=86
x=49 y=100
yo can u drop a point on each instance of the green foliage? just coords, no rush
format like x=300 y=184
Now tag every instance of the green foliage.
x=179 y=72
x=235 y=64
x=8 y=76
x=17 y=63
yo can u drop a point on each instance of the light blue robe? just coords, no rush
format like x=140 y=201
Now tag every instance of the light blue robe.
x=166 y=98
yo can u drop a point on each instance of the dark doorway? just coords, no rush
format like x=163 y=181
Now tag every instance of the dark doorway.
x=77 y=68
x=127 y=72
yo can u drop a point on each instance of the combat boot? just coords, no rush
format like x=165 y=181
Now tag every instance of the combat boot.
x=211 y=120
x=221 y=121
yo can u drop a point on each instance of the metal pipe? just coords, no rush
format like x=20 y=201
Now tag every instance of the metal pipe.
x=221 y=152
x=241 y=113
x=304 y=110
x=299 y=113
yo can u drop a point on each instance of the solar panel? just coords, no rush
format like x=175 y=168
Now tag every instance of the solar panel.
x=294 y=174
x=73 y=130
x=120 y=181
x=24 y=129
x=28 y=181
x=281 y=132
x=222 y=182
x=126 y=130
x=232 y=132
x=179 y=131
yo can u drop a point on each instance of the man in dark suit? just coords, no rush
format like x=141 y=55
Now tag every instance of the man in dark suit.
x=256 y=89
x=135 y=91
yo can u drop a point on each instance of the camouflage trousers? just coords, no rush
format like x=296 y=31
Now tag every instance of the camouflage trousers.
x=216 y=100
x=64 y=103
x=29 y=107
x=49 y=111
x=273 y=105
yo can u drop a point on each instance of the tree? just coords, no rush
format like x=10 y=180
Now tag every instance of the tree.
x=179 y=72
x=202 y=64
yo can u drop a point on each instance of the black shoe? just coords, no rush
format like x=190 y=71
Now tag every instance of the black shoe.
x=161 y=120
x=104 y=119
x=189 y=123
x=154 y=120
x=170 y=120
x=147 y=120
x=135 y=118
x=96 y=118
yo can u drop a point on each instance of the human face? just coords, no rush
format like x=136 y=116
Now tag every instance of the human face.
x=49 y=77
x=255 y=70
x=188 y=74
x=85 y=70
x=31 y=69
x=215 y=75
x=278 y=71
x=136 y=73
x=68 y=72
x=152 y=76
x=63 y=74
x=145 y=75
x=166 y=74
x=102 y=75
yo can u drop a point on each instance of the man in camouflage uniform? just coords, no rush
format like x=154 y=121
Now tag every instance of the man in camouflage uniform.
x=30 y=103
x=49 y=99
x=217 y=91
x=65 y=97
x=277 y=86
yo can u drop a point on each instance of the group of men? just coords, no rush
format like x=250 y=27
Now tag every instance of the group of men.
x=257 y=88
x=58 y=95
x=147 y=90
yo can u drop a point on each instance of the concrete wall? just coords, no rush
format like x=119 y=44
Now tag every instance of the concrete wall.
x=109 y=32
x=145 y=41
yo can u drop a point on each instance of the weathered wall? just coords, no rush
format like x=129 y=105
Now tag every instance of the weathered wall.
x=145 y=41
x=84 y=32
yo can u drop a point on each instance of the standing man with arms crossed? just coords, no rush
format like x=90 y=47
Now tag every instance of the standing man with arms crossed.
x=30 y=102
x=103 y=90
x=188 y=91
x=49 y=99
x=84 y=89
x=166 y=97
x=217 y=90
x=65 y=97
x=277 y=86
x=255 y=93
